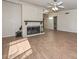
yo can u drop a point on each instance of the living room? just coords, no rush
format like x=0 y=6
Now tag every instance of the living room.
x=45 y=34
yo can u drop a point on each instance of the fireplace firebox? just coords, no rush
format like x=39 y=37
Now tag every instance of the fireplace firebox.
x=33 y=30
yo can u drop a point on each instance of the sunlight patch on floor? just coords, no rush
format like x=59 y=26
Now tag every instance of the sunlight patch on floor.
x=18 y=47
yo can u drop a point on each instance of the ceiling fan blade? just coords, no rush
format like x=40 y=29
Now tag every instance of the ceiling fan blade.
x=61 y=6
x=45 y=11
x=50 y=3
x=55 y=0
x=60 y=3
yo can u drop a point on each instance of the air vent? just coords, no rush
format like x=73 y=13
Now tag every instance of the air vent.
x=67 y=13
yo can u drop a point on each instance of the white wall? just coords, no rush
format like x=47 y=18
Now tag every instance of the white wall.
x=11 y=21
x=29 y=12
x=32 y=12
x=67 y=22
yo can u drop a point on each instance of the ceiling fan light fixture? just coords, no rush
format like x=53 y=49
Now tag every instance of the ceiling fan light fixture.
x=54 y=6
x=55 y=9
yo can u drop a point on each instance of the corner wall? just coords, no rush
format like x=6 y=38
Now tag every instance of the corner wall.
x=12 y=16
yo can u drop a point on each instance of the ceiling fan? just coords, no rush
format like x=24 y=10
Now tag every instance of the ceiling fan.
x=54 y=6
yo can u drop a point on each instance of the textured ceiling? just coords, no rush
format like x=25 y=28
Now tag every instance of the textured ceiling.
x=68 y=4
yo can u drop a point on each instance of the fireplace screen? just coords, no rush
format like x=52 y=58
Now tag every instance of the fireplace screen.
x=33 y=30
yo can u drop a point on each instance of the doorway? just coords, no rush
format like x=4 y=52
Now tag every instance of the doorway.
x=55 y=22
x=45 y=20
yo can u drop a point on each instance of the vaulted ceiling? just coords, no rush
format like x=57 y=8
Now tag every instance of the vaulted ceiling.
x=68 y=4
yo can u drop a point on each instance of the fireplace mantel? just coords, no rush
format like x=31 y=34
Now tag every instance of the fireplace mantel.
x=33 y=21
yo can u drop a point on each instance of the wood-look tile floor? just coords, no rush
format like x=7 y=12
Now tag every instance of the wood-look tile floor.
x=51 y=45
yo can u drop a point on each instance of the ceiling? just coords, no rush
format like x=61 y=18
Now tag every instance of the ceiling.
x=68 y=4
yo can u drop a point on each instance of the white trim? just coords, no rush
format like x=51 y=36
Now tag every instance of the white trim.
x=35 y=34
x=8 y=36
x=66 y=31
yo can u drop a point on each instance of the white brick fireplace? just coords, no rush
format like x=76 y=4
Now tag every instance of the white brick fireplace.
x=33 y=28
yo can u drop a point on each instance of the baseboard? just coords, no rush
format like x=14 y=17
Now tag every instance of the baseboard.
x=8 y=36
x=62 y=31
x=67 y=31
